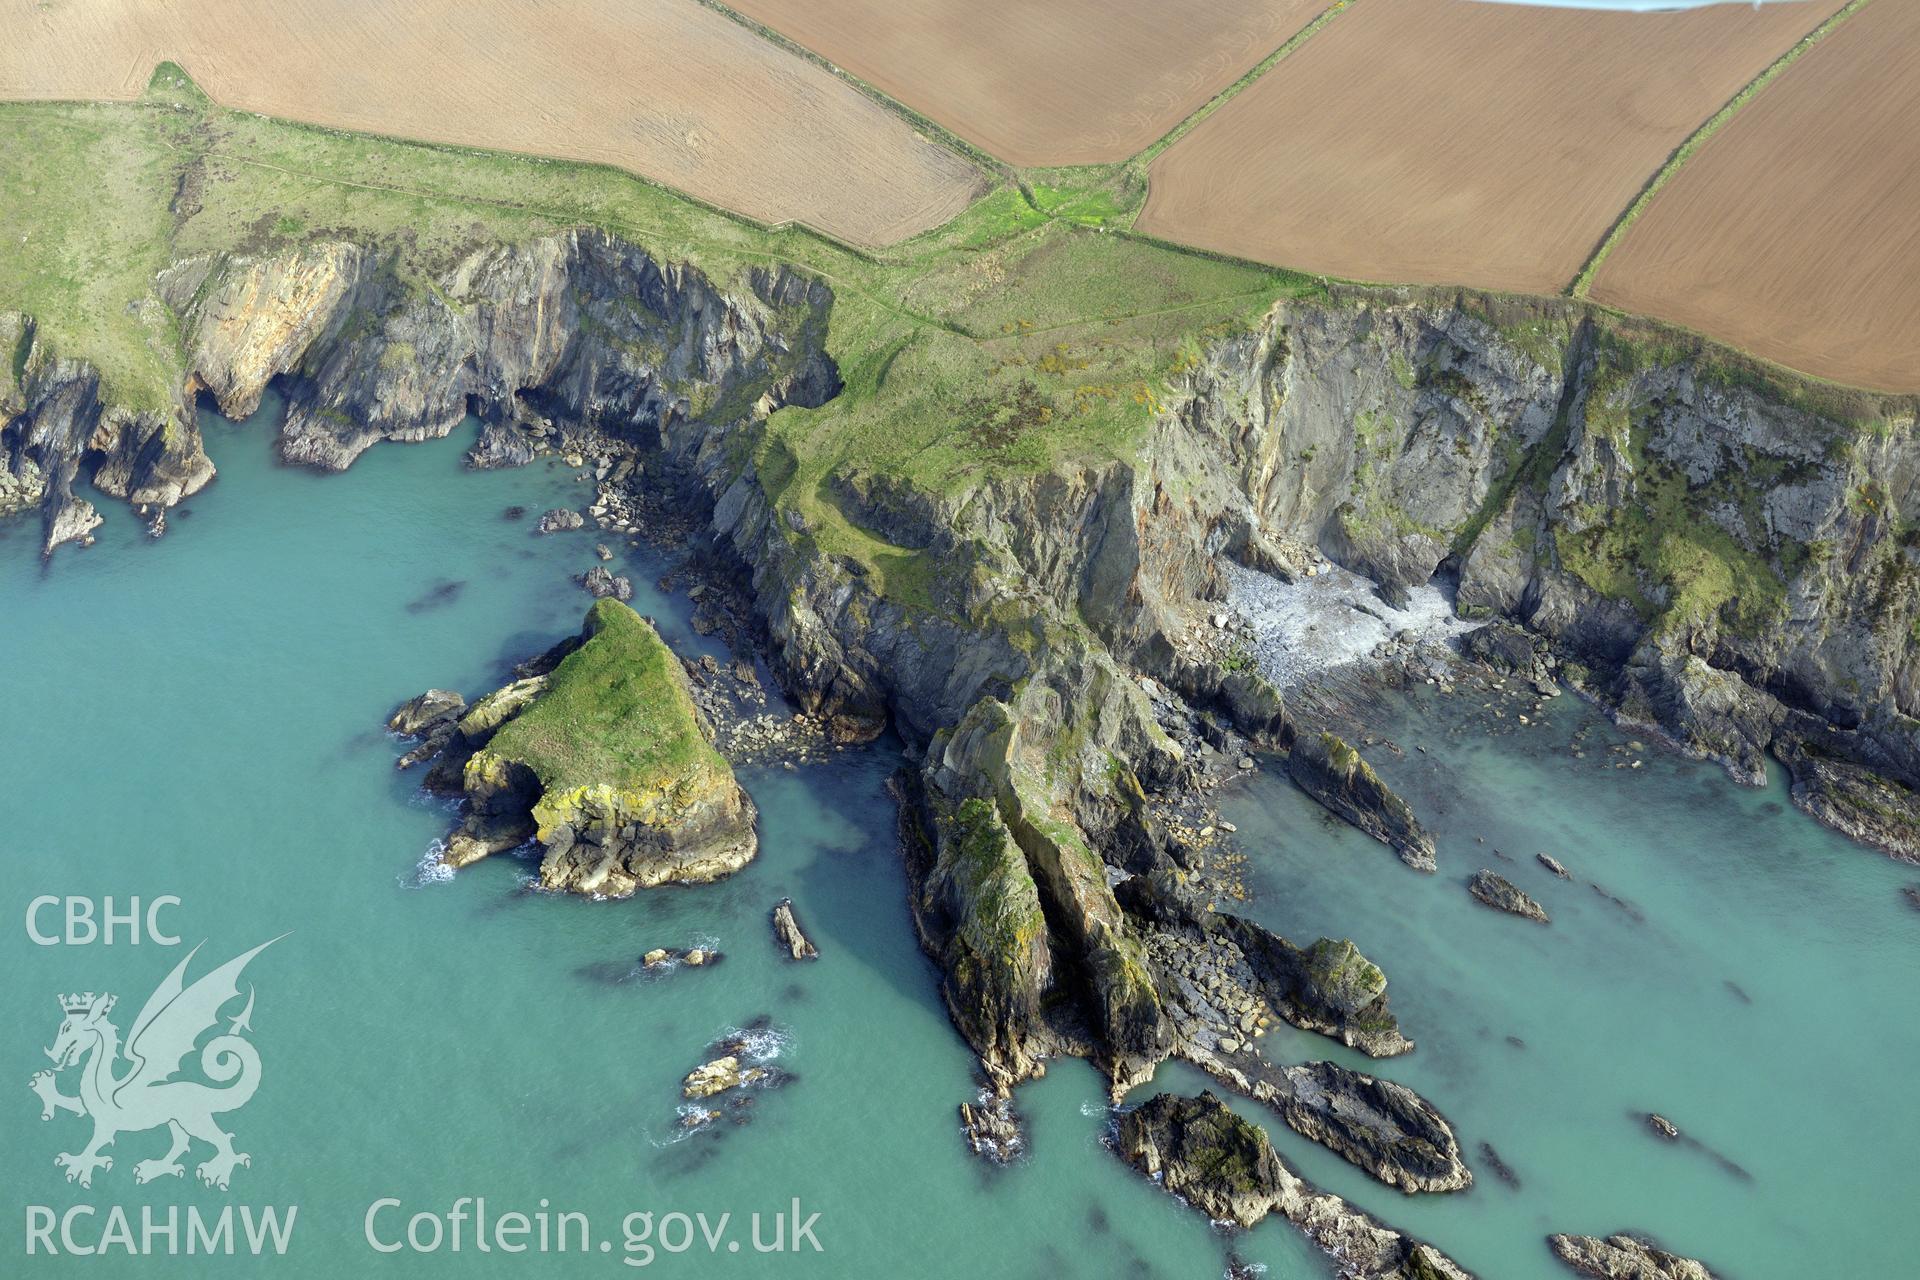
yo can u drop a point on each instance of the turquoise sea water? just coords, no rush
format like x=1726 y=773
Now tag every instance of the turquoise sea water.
x=1756 y=987
x=199 y=716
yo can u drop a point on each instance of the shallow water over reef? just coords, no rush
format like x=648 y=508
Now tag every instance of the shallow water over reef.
x=199 y=716
x=1739 y=969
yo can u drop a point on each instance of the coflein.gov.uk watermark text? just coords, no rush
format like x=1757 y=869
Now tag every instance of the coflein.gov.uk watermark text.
x=469 y=1225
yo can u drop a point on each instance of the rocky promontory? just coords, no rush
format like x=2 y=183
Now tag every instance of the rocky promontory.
x=598 y=754
x=1225 y=975
x=1226 y=1167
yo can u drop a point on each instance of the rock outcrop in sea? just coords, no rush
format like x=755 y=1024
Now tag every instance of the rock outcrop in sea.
x=1333 y=773
x=786 y=931
x=1502 y=894
x=597 y=753
x=1624 y=1257
x=1226 y=1167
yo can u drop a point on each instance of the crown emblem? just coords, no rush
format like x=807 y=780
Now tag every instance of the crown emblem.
x=82 y=1002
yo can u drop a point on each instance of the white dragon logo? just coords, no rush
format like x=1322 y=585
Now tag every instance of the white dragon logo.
x=147 y=1096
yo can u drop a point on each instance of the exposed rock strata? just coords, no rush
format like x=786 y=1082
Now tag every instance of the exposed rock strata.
x=1624 y=1257
x=1222 y=975
x=1380 y=1126
x=1702 y=547
x=1758 y=591
x=1227 y=1168
x=59 y=428
x=1334 y=774
x=786 y=931
x=580 y=325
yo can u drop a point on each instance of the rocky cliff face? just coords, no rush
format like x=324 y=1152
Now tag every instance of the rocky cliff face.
x=57 y=431
x=1732 y=558
x=582 y=327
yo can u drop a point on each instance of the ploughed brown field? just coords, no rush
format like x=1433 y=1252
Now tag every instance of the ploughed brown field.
x=1444 y=142
x=665 y=88
x=1044 y=82
x=1795 y=231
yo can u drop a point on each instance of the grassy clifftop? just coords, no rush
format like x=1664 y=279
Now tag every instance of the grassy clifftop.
x=98 y=198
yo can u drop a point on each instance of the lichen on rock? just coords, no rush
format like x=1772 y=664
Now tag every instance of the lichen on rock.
x=1225 y=1166
x=605 y=761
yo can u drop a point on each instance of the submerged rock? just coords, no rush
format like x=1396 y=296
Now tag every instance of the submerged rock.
x=1502 y=894
x=718 y=1076
x=601 y=584
x=1225 y=1166
x=787 y=931
x=1501 y=1169
x=1333 y=773
x=1624 y=1257
x=992 y=1128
